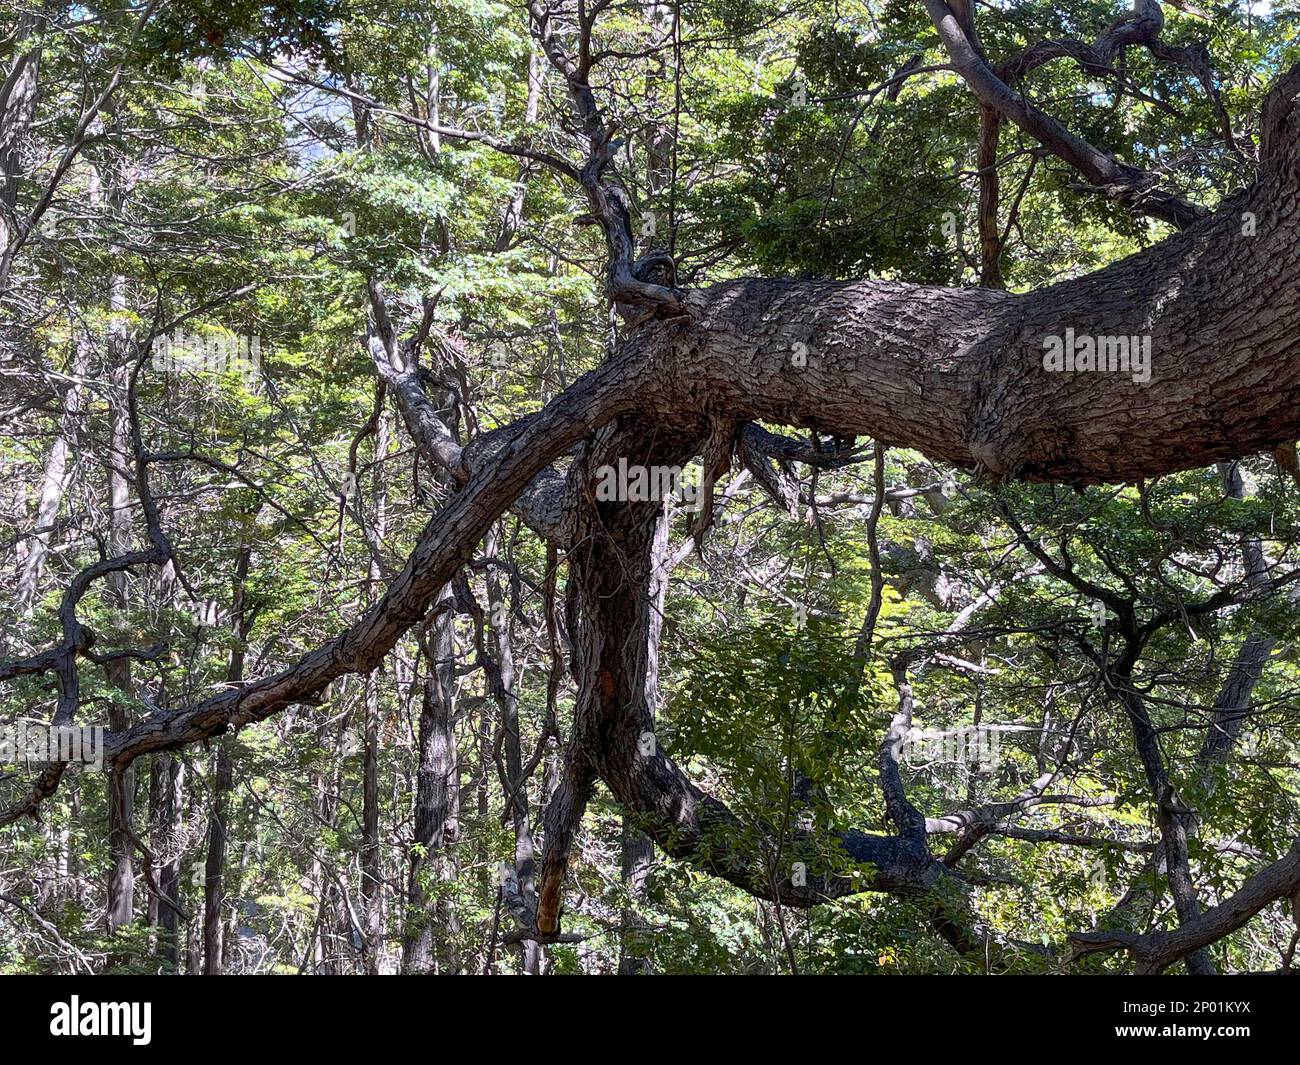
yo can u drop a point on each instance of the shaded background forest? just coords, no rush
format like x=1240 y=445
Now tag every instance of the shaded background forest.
x=245 y=171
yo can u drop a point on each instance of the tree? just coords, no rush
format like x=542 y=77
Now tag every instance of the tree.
x=1139 y=374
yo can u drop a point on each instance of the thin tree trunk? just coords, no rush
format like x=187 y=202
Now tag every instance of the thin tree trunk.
x=429 y=939
x=372 y=876
x=513 y=216
x=990 y=190
x=516 y=785
x=214 y=867
x=54 y=479
x=17 y=110
x=171 y=781
x=121 y=879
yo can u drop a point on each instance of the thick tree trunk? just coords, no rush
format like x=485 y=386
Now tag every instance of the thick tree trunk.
x=612 y=572
x=638 y=849
x=957 y=374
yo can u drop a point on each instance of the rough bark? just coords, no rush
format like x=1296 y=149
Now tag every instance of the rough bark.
x=428 y=939
x=638 y=849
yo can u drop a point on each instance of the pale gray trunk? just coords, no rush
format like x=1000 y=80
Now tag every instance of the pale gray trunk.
x=54 y=478
x=18 y=96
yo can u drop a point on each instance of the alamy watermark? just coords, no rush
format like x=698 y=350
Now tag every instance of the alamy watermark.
x=1085 y=353
x=133 y=1020
x=630 y=483
x=973 y=745
x=36 y=742
x=216 y=353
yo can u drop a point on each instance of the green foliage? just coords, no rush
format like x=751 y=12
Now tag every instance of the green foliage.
x=217 y=191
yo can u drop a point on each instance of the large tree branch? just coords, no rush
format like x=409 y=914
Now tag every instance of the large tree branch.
x=540 y=506
x=627 y=277
x=1129 y=184
x=446 y=544
x=1139 y=28
x=1156 y=951
x=957 y=374
x=612 y=566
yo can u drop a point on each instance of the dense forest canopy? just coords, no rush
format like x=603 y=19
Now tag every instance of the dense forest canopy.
x=649 y=486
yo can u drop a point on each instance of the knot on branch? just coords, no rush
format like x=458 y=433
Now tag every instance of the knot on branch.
x=657 y=268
